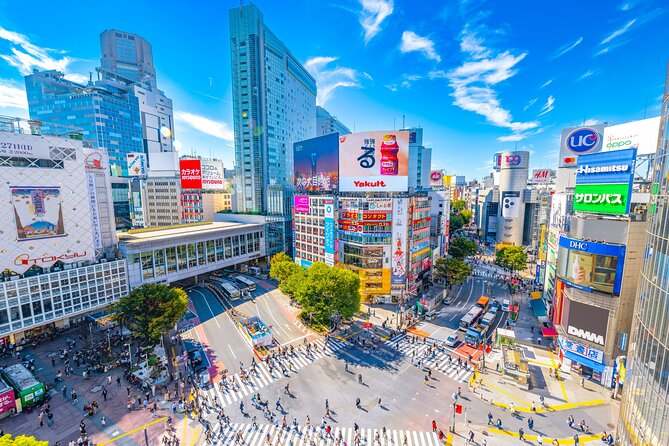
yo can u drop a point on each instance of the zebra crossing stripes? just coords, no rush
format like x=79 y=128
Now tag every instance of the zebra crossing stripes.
x=262 y=377
x=269 y=434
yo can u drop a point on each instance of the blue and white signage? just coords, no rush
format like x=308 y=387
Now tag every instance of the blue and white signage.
x=616 y=167
x=329 y=232
x=577 y=141
x=623 y=341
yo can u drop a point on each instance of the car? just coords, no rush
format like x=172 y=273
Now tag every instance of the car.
x=505 y=305
x=452 y=340
x=495 y=305
x=430 y=315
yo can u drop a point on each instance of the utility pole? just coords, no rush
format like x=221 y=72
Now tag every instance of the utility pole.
x=453 y=420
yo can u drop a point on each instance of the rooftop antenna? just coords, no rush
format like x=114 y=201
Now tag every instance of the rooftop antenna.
x=393 y=123
x=645 y=109
x=403 y=125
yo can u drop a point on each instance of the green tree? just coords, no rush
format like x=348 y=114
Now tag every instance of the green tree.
x=511 y=257
x=292 y=278
x=451 y=270
x=457 y=206
x=283 y=270
x=457 y=222
x=325 y=290
x=466 y=215
x=150 y=310
x=462 y=247
x=21 y=440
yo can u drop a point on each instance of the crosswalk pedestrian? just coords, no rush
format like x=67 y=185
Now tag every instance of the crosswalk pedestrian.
x=237 y=388
x=269 y=434
x=436 y=361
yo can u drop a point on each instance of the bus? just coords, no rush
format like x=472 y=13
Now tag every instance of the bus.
x=470 y=318
x=228 y=289
x=26 y=387
x=245 y=283
x=483 y=303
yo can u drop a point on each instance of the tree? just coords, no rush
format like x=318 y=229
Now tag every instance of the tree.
x=451 y=270
x=462 y=247
x=511 y=257
x=151 y=310
x=292 y=279
x=283 y=270
x=457 y=206
x=466 y=215
x=21 y=440
x=325 y=290
x=457 y=222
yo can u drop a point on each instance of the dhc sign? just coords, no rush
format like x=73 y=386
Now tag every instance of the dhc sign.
x=583 y=334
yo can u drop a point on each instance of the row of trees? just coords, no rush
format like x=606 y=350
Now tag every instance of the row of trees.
x=452 y=271
x=459 y=215
x=325 y=293
x=511 y=257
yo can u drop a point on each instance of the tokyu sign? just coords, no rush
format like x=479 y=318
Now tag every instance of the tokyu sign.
x=584 y=334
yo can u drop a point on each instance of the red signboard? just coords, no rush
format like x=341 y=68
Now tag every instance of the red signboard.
x=351 y=228
x=350 y=215
x=191 y=174
x=458 y=408
x=375 y=216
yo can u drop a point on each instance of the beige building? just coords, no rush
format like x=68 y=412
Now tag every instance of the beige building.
x=162 y=201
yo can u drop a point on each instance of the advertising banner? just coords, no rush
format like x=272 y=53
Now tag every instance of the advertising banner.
x=399 y=241
x=541 y=176
x=436 y=178
x=492 y=224
x=604 y=182
x=379 y=204
x=24 y=146
x=576 y=141
x=191 y=174
x=301 y=204
x=37 y=212
x=591 y=266
x=212 y=175
x=374 y=161
x=643 y=135
x=316 y=164
x=7 y=401
x=582 y=350
x=136 y=164
x=510 y=204
x=329 y=232
x=586 y=322
x=93 y=205
x=513 y=160
x=376 y=216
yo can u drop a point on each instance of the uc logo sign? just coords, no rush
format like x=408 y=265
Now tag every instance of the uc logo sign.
x=582 y=140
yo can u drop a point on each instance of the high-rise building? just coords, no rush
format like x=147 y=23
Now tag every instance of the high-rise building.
x=420 y=160
x=645 y=406
x=274 y=105
x=128 y=56
x=327 y=124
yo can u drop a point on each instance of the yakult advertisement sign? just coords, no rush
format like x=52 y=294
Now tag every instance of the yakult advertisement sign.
x=374 y=161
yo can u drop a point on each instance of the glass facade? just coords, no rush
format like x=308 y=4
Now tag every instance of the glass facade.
x=645 y=405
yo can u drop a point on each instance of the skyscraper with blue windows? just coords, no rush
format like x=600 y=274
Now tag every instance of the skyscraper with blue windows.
x=274 y=105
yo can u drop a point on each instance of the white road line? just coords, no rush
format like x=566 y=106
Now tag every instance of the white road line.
x=233 y=353
x=213 y=316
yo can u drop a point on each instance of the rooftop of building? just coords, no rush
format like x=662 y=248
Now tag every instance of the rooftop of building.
x=164 y=233
x=12 y=124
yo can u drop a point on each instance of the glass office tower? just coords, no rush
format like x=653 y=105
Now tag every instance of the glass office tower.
x=645 y=404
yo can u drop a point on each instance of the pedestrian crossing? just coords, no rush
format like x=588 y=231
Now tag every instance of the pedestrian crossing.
x=239 y=389
x=268 y=434
x=418 y=354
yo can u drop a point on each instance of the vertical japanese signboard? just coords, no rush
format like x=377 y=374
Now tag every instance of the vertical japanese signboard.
x=329 y=232
x=399 y=241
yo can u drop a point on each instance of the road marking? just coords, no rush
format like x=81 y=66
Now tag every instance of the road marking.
x=562 y=441
x=213 y=316
x=555 y=408
x=137 y=429
x=505 y=393
x=233 y=353
x=274 y=319
x=564 y=391
x=196 y=434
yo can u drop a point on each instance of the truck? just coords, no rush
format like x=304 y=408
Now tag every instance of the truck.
x=474 y=336
x=26 y=387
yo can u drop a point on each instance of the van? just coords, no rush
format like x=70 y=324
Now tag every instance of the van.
x=430 y=315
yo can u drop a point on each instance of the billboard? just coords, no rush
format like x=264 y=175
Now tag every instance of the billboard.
x=591 y=266
x=512 y=160
x=316 y=164
x=576 y=141
x=212 y=175
x=436 y=178
x=642 y=135
x=191 y=174
x=604 y=182
x=329 y=231
x=136 y=164
x=584 y=321
x=399 y=241
x=301 y=204
x=93 y=206
x=541 y=176
x=16 y=145
x=374 y=161
x=492 y=224
x=37 y=212
x=510 y=204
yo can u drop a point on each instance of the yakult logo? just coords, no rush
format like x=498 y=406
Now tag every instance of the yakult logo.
x=369 y=183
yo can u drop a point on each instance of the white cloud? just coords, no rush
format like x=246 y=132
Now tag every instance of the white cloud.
x=26 y=56
x=586 y=75
x=547 y=83
x=619 y=32
x=548 y=106
x=12 y=95
x=473 y=45
x=566 y=48
x=473 y=83
x=373 y=13
x=413 y=42
x=329 y=79
x=591 y=122
x=78 y=78
x=511 y=138
x=530 y=103
x=217 y=129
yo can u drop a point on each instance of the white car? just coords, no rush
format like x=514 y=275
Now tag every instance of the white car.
x=505 y=305
x=452 y=340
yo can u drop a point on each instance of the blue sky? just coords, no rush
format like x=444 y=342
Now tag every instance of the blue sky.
x=478 y=76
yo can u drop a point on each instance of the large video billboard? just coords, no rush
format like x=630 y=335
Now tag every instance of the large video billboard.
x=191 y=174
x=374 y=161
x=576 y=141
x=604 y=182
x=642 y=135
x=399 y=241
x=212 y=175
x=37 y=212
x=316 y=164
x=584 y=321
x=591 y=266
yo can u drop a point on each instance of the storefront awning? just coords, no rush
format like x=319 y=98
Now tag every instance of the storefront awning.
x=549 y=333
x=539 y=308
x=597 y=367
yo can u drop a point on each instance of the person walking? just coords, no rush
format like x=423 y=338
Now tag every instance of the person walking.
x=577 y=441
x=357 y=403
x=104 y=394
x=540 y=439
x=434 y=425
x=65 y=392
x=489 y=418
x=521 y=434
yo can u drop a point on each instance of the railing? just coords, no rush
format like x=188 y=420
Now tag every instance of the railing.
x=12 y=124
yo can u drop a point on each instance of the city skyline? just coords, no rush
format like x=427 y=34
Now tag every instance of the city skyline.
x=472 y=76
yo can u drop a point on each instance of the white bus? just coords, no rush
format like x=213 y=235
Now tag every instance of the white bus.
x=228 y=289
x=245 y=283
x=470 y=318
